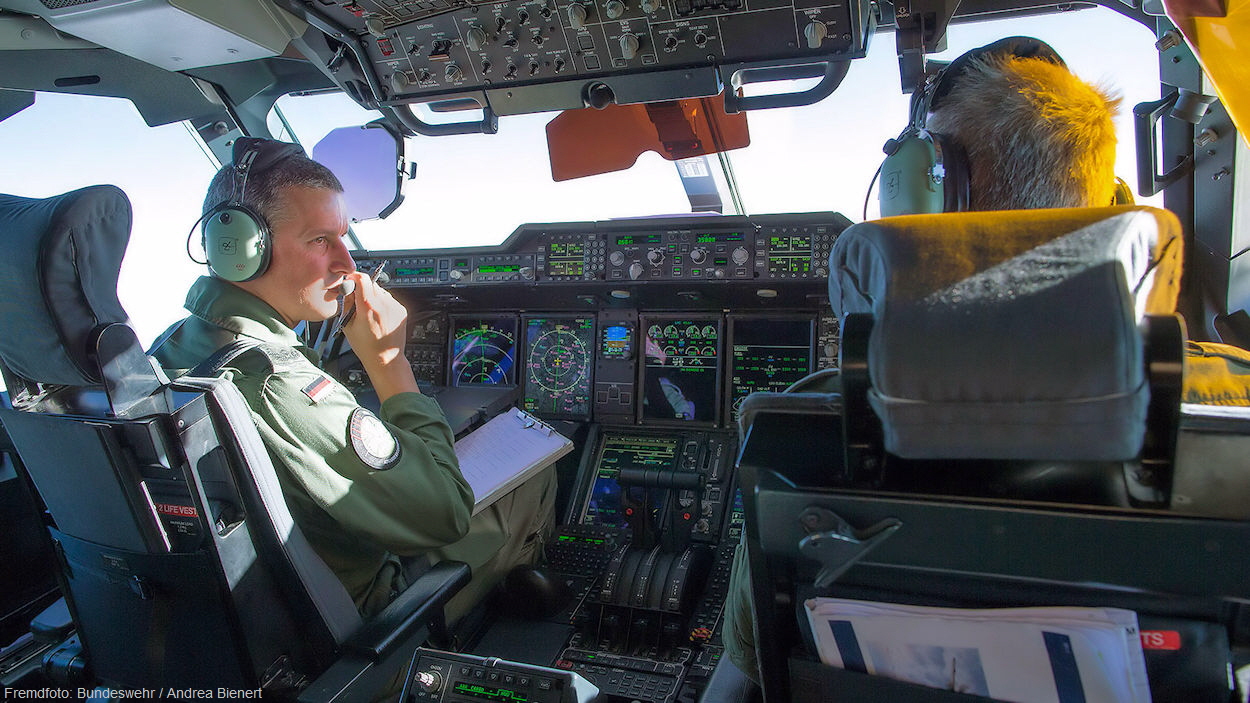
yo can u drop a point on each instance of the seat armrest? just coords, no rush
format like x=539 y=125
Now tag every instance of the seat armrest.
x=410 y=611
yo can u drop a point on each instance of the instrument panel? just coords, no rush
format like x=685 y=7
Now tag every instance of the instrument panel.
x=419 y=50
x=641 y=338
x=679 y=345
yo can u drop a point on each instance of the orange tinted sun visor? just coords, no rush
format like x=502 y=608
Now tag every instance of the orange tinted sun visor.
x=587 y=142
x=1218 y=31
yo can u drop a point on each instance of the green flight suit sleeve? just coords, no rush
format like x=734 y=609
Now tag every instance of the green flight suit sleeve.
x=420 y=502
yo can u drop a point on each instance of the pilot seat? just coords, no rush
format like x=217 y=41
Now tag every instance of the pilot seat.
x=1002 y=434
x=178 y=560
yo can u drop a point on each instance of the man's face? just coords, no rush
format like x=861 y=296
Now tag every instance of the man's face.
x=309 y=256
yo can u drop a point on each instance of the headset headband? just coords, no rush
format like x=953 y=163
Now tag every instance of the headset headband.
x=1020 y=47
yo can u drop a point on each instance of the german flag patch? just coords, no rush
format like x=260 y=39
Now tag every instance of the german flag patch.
x=319 y=388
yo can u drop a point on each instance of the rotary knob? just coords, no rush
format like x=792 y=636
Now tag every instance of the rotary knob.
x=400 y=81
x=635 y=270
x=577 y=16
x=614 y=9
x=527 y=272
x=815 y=33
x=698 y=255
x=617 y=258
x=376 y=27
x=656 y=257
x=456 y=274
x=429 y=681
x=740 y=256
x=649 y=6
x=629 y=46
x=453 y=73
x=475 y=39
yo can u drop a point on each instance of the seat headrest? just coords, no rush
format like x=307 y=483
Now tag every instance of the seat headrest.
x=1009 y=334
x=58 y=280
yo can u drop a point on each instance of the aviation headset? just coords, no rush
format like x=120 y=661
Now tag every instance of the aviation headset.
x=236 y=238
x=926 y=172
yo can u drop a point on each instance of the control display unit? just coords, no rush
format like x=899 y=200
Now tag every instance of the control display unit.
x=559 y=358
x=682 y=369
x=483 y=350
x=766 y=354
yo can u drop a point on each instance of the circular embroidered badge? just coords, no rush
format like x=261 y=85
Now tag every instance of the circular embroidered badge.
x=372 y=441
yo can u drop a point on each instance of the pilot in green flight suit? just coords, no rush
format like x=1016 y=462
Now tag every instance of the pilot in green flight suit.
x=364 y=489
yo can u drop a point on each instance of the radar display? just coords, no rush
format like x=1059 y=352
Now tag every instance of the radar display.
x=559 y=355
x=483 y=351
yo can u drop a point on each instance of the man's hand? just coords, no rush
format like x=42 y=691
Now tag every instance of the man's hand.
x=377 y=332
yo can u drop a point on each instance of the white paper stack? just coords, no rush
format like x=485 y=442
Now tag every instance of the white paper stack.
x=1025 y=655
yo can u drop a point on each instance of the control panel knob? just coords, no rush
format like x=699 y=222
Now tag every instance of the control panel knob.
x=670 y=42
x=629 y=46
x=698 y=255
x=456 y=274
x=475 y=39
x=740 y=256
x=559 y=65
x=453 y=73
x=702 y=526
x=376 y=27
x=614 y=9
x=527 y=272
x=656 y=257
x=429 y=681
x=635 y=270
x=617 y=258
x=522 y=17
x=400 y=81
x=577 y=16
x=815 y=33
x=700 y=39
x=650 y=6
x=534 y=67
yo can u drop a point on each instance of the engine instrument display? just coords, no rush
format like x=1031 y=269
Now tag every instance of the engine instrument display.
x=682 y=368
x=559 y=357
x=768 y=354
x=483 y=350
x=606 y=504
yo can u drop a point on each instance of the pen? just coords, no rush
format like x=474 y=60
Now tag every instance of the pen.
x=377 y=272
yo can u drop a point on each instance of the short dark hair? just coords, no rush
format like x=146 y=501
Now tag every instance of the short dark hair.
x=1035 y=134
x=264 y=188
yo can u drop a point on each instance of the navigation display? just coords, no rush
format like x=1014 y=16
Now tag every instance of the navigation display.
x=679 y=379
x=768 y=354
x=605 y=505
x=483 y=350
x=558 y=359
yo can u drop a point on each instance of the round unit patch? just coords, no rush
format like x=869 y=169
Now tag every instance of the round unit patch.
x=372 y=441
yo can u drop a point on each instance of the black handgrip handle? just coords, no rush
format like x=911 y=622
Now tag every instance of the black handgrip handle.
x=831 y=74
x=661 y=478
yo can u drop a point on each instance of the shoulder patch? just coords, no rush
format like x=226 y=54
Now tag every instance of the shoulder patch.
x=282 y=358
x=372 y=440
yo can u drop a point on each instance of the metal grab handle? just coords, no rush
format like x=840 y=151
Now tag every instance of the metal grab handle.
x=489 y=124
x=1145 y=118
x=830 y=73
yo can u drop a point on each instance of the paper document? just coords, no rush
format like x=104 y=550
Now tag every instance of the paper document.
x=1026 y=655
x=500 y=455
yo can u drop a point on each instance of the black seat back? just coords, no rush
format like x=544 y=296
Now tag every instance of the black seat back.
x=179 y=560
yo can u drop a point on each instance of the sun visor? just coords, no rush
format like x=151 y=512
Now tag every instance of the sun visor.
x=674 y=129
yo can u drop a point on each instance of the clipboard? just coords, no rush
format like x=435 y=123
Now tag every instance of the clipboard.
x=501 y=454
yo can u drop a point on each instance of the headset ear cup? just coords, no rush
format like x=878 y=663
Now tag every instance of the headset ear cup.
x=956 y=176
x=236 y=243
x=1123 y=194
x=907 y=183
